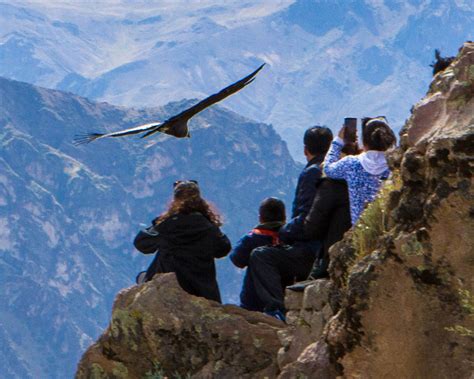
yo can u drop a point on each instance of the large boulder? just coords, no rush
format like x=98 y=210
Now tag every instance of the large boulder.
x=158 y=330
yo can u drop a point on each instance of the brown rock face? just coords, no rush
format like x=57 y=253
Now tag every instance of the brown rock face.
x=405 y=308
x=158 y=330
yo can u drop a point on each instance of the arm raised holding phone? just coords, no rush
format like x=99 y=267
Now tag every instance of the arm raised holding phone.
x=365 y=171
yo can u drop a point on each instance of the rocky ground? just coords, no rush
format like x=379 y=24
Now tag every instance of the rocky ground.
x=399 y=300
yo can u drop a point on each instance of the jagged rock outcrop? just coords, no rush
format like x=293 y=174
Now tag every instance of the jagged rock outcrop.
x=158 y=330
x=405 y=306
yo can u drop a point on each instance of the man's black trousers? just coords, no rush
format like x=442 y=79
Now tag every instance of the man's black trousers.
x=274 y=267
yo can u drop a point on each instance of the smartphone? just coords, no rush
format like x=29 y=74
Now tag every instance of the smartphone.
x=350 y=130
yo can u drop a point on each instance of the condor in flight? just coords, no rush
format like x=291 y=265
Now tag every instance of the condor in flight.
x=177 y=125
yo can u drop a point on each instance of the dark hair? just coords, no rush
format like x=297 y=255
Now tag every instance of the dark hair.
x=187 y=199
x=272 y=209
x=376 y=134
x=317 y=140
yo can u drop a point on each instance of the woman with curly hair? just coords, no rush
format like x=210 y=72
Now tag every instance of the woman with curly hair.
x=186 y=238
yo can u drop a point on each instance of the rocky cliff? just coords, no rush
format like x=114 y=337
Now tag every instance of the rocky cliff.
x=398 y=303
x=401 y=280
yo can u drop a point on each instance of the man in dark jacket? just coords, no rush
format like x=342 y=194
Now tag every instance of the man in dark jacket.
x=272 y=217
x=271 y=268
x=316 y=144
x=328 y=219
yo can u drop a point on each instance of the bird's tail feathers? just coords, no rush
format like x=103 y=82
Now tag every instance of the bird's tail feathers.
x=82 y=139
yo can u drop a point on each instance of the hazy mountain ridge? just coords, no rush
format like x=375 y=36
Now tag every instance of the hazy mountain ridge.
x=325 y=61
x=68 y=215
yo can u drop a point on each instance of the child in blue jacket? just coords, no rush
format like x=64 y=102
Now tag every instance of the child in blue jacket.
x=271 y=217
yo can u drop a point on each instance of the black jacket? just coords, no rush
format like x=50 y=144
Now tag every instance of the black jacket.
x=306 y=189
x=187 y=246
x=329 y=217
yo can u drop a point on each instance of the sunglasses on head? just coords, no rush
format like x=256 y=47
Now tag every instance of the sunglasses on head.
x=184 y=181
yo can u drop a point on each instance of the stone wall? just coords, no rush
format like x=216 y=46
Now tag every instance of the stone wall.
x=308 y=312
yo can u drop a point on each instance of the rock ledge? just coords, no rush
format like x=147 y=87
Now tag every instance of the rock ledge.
x=158 y=329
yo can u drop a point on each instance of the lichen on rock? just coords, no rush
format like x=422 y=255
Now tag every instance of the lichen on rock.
x=158 y=330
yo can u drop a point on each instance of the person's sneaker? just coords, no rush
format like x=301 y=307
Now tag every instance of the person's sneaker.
x=279 y=315
x=300 y=286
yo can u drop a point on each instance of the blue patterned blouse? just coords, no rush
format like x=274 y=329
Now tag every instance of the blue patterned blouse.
x=363 y=186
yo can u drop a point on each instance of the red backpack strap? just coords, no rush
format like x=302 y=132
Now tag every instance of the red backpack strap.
x=269 y=233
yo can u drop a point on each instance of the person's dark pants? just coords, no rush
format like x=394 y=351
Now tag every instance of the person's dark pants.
x=320 y=268
x=272 y=268
x=248 y=297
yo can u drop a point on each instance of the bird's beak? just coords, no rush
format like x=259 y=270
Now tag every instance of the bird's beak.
x=189 y=135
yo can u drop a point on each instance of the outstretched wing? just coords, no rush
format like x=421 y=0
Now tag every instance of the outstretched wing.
x=170 y=126
x=87 y=138
x=179 y=119
x=221 y=95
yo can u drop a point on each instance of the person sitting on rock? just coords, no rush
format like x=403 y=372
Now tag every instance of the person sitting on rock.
x=273 y=267
x=364 y=172
x=327 y=221
x=272 y=217
x=188 y=238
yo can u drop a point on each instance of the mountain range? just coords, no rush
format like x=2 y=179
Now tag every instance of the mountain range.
x=325 y=59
